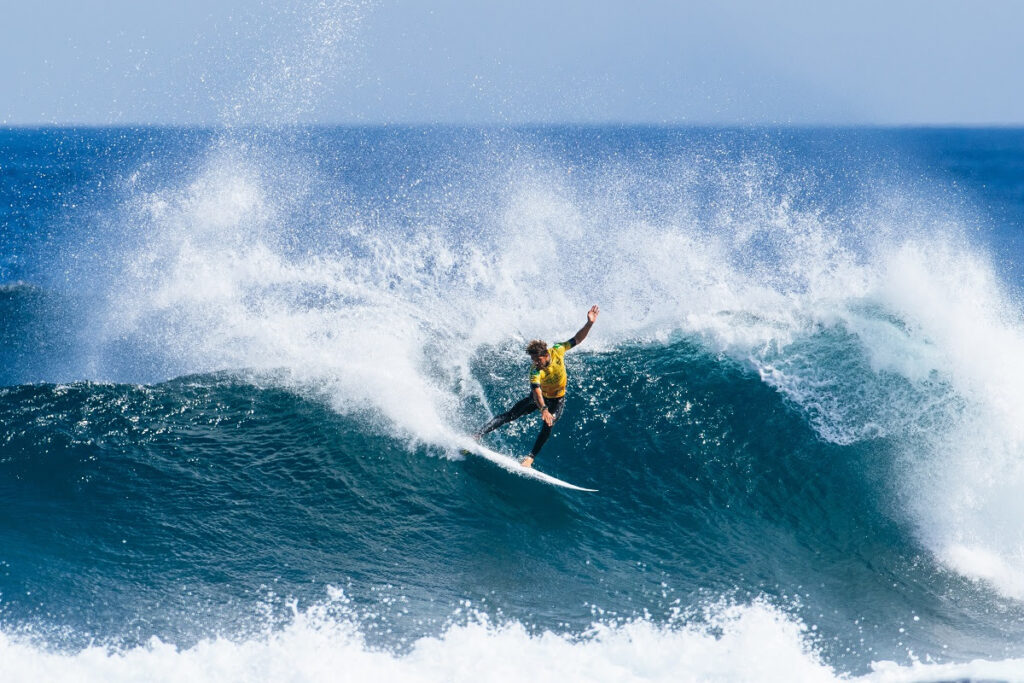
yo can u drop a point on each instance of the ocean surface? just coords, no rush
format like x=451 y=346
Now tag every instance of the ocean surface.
x=235 y=364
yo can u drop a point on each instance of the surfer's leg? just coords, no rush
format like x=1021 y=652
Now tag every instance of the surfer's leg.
x=555 y=406
x=524 y=407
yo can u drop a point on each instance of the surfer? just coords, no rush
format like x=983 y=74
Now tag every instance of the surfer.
x=547 y=386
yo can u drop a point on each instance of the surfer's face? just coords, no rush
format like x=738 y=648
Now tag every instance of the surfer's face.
x=541 y=361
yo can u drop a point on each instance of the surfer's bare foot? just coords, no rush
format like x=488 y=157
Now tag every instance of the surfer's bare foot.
x=527 y=461
x=478 y=437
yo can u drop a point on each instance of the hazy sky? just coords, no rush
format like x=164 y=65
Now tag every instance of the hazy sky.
x=228 y=61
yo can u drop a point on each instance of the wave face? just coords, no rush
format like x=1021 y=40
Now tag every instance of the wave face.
x=236 y=365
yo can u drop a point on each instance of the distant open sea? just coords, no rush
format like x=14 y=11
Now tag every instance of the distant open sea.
x=235 y=364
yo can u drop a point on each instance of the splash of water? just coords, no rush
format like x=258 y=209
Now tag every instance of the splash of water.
x=874 y=328
x=755 y=642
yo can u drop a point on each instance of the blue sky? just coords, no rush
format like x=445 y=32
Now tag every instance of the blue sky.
x=338 y=61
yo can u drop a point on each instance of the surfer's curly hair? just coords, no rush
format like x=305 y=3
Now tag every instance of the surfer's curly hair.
x=537 y=348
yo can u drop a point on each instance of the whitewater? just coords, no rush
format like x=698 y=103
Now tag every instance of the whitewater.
x=235 y=382
x=237 y=362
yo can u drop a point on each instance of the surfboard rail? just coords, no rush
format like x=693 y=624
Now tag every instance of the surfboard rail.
x=471 y=447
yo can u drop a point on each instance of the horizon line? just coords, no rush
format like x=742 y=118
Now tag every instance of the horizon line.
x=823 y=125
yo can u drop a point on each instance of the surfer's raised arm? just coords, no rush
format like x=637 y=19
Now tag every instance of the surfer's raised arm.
x=578 y=338
x=547 y=387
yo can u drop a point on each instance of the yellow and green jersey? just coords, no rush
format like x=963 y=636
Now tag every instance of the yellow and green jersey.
x=552 y=379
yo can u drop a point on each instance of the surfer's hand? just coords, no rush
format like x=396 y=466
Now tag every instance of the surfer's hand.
x=592 y=313
x=548 y=418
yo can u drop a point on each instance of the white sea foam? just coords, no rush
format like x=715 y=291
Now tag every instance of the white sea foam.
x=755 y=642
x=1009 y=670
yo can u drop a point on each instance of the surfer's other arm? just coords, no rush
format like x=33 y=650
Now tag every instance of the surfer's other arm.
x=538 y=398
x=578 y=338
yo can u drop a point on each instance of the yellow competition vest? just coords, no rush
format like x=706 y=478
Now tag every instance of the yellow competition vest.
x=552 y=379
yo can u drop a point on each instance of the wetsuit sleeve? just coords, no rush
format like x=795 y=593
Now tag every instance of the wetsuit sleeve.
x=568 y=344
x=534 y=379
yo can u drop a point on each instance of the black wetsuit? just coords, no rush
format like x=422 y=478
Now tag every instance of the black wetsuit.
x=550 y=379
x=525 y=407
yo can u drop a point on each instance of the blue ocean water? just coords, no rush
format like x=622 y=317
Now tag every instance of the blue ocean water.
x=236 y=364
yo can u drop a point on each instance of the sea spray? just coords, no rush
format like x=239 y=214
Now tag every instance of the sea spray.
x=871 y=331
x=794 y=392
x=322 y=643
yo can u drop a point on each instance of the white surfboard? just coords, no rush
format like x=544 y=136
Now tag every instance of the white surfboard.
x=512 y=465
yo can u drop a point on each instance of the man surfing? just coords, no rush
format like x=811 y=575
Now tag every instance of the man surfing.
x=547 y=387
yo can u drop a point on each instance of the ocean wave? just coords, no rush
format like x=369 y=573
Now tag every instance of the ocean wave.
x=787 y=387
x=754 y=642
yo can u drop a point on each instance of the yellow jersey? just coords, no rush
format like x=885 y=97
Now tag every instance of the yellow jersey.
x=552 y=379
